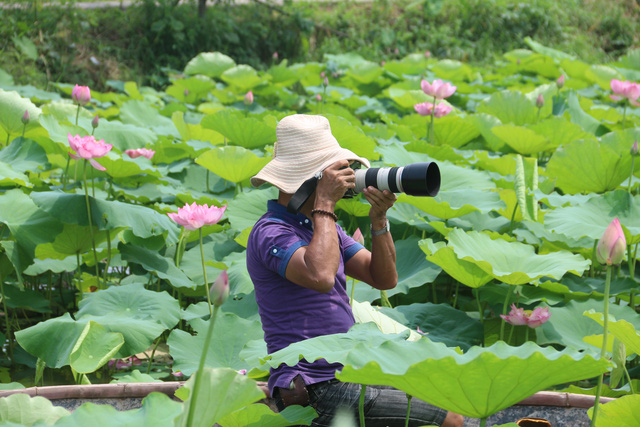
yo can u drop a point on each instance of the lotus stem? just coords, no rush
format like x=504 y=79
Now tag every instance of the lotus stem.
x=430 y=136
x=181 y=244
x=106 y=267
x=603 y=350
x=203 y=357
x=480 y=311
x=455 y=297
x=406 y=421
x=483 y=422
x=66 y=174
x=624 y=115
x=353 y=291
x=384 y=300
x=8 y=136
x=153 y=352
x=93 y=240
x=526 y=334
x=208 y=191
x=633 y=159
x=24 y=128
x=204 y=272
x=7 y=325
x=77 y=114
x=505 y=305
x=363 y=390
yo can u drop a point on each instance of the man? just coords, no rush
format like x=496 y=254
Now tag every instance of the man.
x=298 y=264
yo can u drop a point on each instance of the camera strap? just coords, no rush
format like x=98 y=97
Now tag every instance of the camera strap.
x=301 y=195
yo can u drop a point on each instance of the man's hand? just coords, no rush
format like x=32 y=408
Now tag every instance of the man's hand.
x=381 y=202
x=336 y=180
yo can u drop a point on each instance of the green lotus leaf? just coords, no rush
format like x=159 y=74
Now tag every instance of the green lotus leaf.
x=513 y=262
x=452 y=204
x=235 y=164
x=455 y=131
x=544 y=50
x=465 y=272
x=12 y=107
x=559 y=131
x=11 y=177
x=621 y=329
x=397 y=155
x=594 y=216
x=510 y=107
x=413 y=268
x=21 y=297
x=578 y=116
x=588 y=166
x=158 y=410
x=364 y=312
x=581 y=287
x=334 y=348
x=122 y=166
x=621 y=412
x=602 y=76
x=211 y=64
x=154 y=262
x=452 y=70
x=404 y=213
x=407 y=98
x=476 y=384
x=282 y=75
x=240 y=130
x=484 y=123
x=215 y=252
x=191 y=90
x=222 y=391
x=242 y=76
x=135 y=377
x=541 y=65
x=106 y=215
x=352 y=137
x=123 y=136
x=440 y=322
x=355 y=207
x=74 y=239
x=230 y=335
x=25 y=155
x=260 y=415
x=567 y=326
x=189 y=131
x=365 y=72
x=521 y=139
x=139 y=113
x=11 y=386
x=94 y=348
x=605 y=392
x=25 y=410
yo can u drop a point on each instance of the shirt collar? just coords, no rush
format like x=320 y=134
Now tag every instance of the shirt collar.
x=281 y=211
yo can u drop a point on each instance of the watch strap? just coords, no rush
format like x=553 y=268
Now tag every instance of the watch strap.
x=383 y=230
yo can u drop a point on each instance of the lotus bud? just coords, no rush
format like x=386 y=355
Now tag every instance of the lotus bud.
x=560 y=82
x=95 y=122
x=382 y=63
x=81 y=95
x=358 y=237
x=634 y=149
x=248 y=98
x=25 y=117
x=396 y=51
x=186 y=93
x=219 y=291
x=275 y=56
x=612 y=245
x=325 y=82
x=322 y=75
x=540 y=101
x=427 y=54
x=318 y=97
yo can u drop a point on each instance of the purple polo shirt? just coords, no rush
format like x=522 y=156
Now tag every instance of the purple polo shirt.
x=289 y=312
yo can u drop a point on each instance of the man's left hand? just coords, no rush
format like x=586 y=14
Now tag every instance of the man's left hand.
x=380 y=202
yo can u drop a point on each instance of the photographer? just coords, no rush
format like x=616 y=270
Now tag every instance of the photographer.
x=298 y=264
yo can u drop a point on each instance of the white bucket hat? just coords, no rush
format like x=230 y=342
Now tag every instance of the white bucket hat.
x=304 y=146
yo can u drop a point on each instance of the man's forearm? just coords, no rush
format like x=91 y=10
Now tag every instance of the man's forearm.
x=383 y=261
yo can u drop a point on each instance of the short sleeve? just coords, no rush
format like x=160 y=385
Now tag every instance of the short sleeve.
x=349 y=246
x=275 y=242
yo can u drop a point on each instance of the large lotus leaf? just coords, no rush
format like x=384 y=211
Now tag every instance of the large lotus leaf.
x=334 y=348
x=74 y=239
x=260 y=415
x=135 y=377
x=621 y=329
x=452 y=70
x=190 y=90
x=567 y=325
x=121 y=165
x=397 y=155
x=29 y=225
x=513 y=262
x=621 y=412
x=465 y=272
x=240 y=130
x=10 y=177
x=589 y=166
x=364 y=312
x=441 y=323
x=158 y=410
x=352 y=137
x=235 y=164
x=106 y=215
x=141 y=114
x=189 y=131
x=484 y=123
x=94 y=348
x=12 y=107
x=452 y=204
x=25 y=410
x=594 y=216
x=406 y=98
x=283 y=75
x=221 y=392
x=476 y=384
x=544 y=50
x=22 y=297
x=25 y=155
x=357 y=207
x=124 y=136
x=365 y=72
x=242 y=76
x=455 y=131
x=211 y=64
x=579 y=117
x=152 y=261
x=521 y=139
x=510 y=107
x=559 y=131
x=230 y=334
x=602 y=75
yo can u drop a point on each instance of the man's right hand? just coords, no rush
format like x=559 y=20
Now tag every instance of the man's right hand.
x=336 y=180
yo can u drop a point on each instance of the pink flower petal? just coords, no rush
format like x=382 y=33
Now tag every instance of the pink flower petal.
x=97 y=165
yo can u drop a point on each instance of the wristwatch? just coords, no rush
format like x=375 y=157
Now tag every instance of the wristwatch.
x=383 y=230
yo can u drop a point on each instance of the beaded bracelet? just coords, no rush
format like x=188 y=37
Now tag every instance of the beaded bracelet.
x=327 y=213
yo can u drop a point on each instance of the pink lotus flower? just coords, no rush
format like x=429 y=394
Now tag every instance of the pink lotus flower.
x=442 y=110
x=242 y=372
x=120 y=364
x=248 y=98
x=612 y=245
x=438 y=88
x=177 y=374
x=89 y=149
x=560 y=82
x=195 y=216
x=516 y=316
x=25 y=117
x=81 y=95
x=532 y=318
x=134 y=154
x=538 y=316
x=219 y=291
x=540 y=101
x=426 y=108
x=358 y=237
x=427 y=54
x=628 y=90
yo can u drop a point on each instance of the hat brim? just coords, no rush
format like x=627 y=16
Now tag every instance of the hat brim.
x=288 y=176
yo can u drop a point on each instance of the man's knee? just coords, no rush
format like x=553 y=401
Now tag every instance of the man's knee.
x=453 y=420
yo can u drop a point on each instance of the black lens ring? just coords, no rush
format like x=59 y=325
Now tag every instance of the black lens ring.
x=371 y=178
x=393 y=187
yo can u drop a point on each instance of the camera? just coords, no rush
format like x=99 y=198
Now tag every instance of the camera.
x=415 y=179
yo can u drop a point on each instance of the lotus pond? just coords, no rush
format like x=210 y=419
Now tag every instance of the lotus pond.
x=100 y=285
